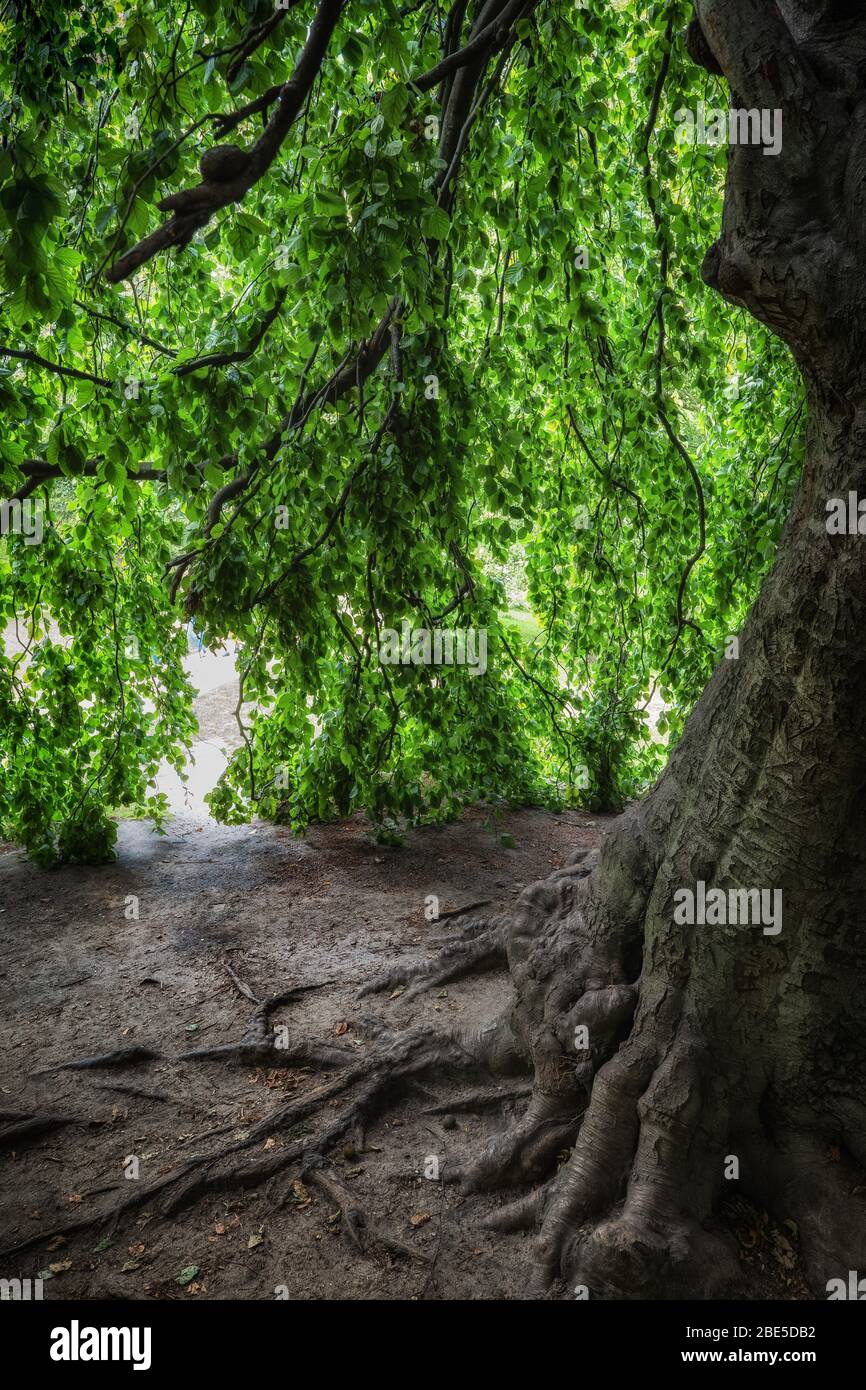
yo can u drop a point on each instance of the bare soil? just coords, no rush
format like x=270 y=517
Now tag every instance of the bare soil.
x=79 y=978
x=81 y=975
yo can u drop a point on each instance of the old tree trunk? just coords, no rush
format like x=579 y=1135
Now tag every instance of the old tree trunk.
x=713 y=1042
x=681 y=1062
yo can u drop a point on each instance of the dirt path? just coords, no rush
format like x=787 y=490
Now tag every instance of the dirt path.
x=80 y=977
x=135 y=954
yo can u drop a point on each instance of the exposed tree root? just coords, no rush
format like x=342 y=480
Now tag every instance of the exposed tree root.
x=120 y=1057
x=526 y=1151
x=394 y=1064
x=633 y=1109
x=670 y=1105
x=261 y=1044
x=510 y=1045
x=480 y=1100
x=19 y=1126
x=480 y=947
x=270 y=1053
x=461 y=911
x=139 y=1093
x=358 y=1230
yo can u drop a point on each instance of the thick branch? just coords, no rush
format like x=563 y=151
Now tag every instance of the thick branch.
x=38 y=471
x=485 y=42
x=194 y=207
x=41 y=468
x=229 y=119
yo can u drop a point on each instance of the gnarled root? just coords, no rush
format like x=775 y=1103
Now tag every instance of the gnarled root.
x=394 y=1063
x=480 y=946
x=624 y=1216
x=264 y=1046
x=635 y=1071
x=359 y=1231
x=690 y=1100
x=574 y=999
x=526 y=1152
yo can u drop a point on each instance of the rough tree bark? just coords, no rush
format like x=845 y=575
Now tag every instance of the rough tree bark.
x=710 y=1041
x=704 y=1042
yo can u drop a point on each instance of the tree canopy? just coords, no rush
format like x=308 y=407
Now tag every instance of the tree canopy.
x=428 y=325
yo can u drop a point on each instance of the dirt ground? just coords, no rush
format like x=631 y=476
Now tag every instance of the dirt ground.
x=135 y=954
x=79 y=978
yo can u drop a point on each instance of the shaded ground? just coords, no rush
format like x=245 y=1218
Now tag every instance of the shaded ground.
x=136 y=954
x=78 y=977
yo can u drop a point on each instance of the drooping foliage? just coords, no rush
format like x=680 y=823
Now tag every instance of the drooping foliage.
x=419 y=322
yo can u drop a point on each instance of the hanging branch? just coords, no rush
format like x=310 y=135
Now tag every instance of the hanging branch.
x=228 y=172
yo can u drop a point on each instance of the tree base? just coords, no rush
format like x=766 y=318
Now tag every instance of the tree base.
x=632 y=1121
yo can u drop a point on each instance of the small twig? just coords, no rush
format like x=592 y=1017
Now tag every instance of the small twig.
x=244 y=989
x=432 y=1271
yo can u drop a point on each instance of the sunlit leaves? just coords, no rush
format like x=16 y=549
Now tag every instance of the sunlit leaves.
x=548 y=264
